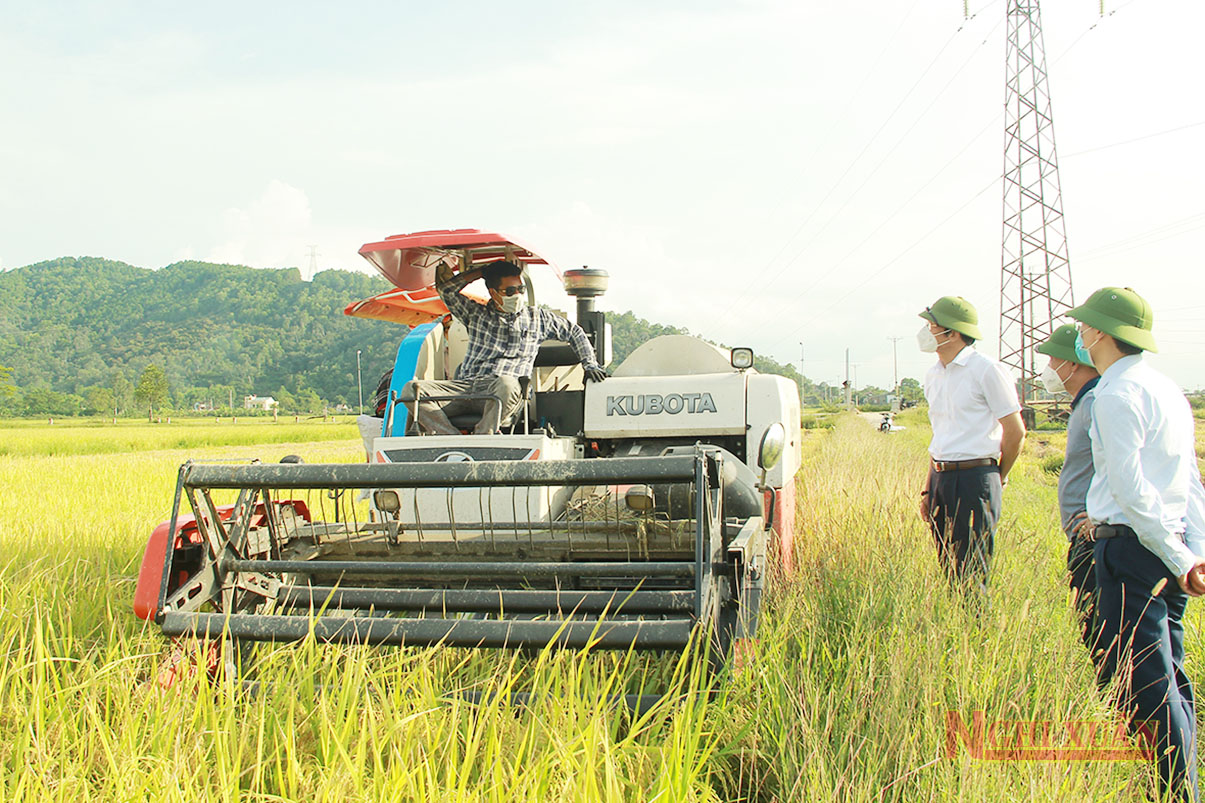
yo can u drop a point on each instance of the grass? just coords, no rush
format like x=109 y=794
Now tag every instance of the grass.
x=862 y=653
x=71 y=436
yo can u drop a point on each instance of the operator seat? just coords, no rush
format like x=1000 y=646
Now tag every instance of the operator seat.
x=466 y=423
x=445 y=348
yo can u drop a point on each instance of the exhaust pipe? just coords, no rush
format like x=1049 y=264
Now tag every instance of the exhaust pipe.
x=586 y=284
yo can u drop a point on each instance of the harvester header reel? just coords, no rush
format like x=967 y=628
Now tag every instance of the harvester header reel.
x=520 y=553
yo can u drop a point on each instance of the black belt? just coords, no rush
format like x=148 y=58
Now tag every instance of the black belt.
x=1114 y=531
x=941 y=466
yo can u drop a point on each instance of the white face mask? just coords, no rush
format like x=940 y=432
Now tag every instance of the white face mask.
x=1051 y=380
x=512 y=304
x=926 y=340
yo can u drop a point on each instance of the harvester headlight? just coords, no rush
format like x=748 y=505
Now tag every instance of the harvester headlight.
x=742 y=358
x=387 y=501
x=639 y=499
x=770 y=450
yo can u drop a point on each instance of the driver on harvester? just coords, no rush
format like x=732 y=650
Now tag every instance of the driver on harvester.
x=504 y=336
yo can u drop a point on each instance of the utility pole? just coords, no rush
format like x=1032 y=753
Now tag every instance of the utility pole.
x=802 y=399
x=895 y=367
x=847 y=385
x=1035 y=281
x=359 y=382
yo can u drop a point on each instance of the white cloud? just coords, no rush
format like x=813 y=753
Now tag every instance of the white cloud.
x=645 y=275
x=273 y=231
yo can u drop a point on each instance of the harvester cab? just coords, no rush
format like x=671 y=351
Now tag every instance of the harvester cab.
x=628 y=513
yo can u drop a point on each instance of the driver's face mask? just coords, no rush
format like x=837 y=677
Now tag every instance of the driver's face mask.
x=511 y=299
x=512 y=304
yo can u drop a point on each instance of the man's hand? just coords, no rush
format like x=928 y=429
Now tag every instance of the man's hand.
x=1082 y=526
x=443 y=273
x=595 y=374
x=1012 y=439
x=924 y=507
x=1192 y=582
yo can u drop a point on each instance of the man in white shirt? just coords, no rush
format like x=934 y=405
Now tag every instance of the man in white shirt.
x=977 y=435
x=1146 y=504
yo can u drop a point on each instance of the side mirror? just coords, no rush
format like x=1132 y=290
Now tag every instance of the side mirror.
x=772 y=442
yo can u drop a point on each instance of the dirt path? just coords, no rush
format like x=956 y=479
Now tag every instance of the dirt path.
x=876 y=419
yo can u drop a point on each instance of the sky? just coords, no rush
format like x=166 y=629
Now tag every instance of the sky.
x=801 y=177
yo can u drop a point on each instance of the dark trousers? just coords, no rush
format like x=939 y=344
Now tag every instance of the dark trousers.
x=1143 y=647
x=1081 y=570
x=964 y=507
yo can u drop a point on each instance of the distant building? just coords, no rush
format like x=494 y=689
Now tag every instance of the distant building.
x=265 y=403
x=202 y=407
x=342 y=408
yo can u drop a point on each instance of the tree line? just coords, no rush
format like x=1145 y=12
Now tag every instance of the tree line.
x=99 y=337
x=90 y=336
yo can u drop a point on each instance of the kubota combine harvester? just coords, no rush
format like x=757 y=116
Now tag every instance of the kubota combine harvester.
x=622 y=514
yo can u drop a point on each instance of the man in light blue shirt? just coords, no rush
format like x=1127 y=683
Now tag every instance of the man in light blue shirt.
x=1074 y=375
x=1146 y=504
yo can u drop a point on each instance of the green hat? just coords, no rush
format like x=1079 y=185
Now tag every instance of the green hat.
x=1120 y=313
x=954 y=312
x=1061 y=345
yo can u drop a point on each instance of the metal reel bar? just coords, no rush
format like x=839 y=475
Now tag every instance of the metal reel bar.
x=316 y=598
x=499 y=633
x=512 y=569
x=494 y=473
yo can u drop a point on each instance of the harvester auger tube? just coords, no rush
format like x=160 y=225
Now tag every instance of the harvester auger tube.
x=513 y=554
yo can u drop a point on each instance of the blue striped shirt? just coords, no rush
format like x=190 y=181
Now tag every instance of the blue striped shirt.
x=502 y=344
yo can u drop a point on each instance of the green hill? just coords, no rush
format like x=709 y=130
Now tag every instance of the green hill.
x=69 y=326
x=77 y=333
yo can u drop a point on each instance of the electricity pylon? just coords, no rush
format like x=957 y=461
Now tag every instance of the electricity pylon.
x=313 y=261
x=1035 y=281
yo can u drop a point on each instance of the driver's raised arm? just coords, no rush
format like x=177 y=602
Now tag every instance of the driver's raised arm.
x=449 y=285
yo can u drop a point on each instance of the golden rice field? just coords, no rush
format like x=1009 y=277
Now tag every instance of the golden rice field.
x=863 y=653
x=100 y=436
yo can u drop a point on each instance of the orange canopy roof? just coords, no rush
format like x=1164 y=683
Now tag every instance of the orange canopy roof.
x=409 y=261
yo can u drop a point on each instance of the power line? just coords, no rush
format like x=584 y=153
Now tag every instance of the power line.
x=767 y=321
x=1146 y=238
x=811 y=160
x=1137 y=139
x=875 y=170
x=894 y=259
x=742 y=301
